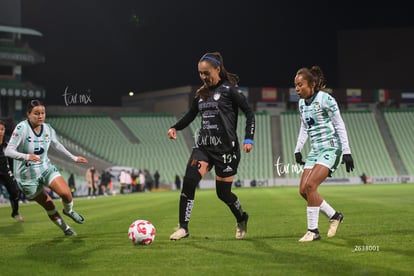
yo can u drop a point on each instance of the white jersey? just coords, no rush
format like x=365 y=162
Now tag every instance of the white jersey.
x=26 y=141
x=321 y=121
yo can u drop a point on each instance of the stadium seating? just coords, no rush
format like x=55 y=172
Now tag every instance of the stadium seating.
x=401 y=126
x=155 y=151
x=258 y=164
x=290 y=124
x=368 y=148
x=101 y=136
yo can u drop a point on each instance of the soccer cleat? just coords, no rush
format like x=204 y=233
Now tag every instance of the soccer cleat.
x=241 y=227
x=310 y=236
x=179 y=234
x=70 y=232
x=19 y=218
x=334 y=224
x=75 y=216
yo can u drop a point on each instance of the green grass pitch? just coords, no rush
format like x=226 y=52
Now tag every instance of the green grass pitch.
x=376 y=237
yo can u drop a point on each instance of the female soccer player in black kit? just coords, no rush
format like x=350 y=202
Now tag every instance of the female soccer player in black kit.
x=216 y=143
x=6 y=176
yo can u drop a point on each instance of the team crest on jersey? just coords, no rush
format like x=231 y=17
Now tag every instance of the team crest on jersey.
x=47 y=138
x=317 y=106
x=216 y=96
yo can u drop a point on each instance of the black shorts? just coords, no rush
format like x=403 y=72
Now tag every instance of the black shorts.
x=225 y=163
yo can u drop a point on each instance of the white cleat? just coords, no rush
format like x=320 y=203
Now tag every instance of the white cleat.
x=334 y=224
x=241 y=228
x=310 y=236
x=179 y=234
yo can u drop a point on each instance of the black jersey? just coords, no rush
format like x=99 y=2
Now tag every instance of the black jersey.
x=219 y=114
x=5 y=162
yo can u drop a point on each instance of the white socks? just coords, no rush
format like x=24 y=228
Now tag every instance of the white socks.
x=68 y=206
x=327 y=210
x=313 y=217
x=61 y=224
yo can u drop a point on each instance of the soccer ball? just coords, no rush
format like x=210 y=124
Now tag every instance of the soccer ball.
x=141 y=232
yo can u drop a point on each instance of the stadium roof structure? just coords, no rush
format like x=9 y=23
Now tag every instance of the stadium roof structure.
x=19 y=30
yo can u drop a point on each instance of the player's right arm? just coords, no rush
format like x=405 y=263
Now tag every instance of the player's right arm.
x=16 y=139
x=185 y=120
x=302 y=138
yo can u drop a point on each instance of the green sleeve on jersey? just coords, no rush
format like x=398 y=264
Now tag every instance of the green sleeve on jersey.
x=18 y=134
x=330 y=104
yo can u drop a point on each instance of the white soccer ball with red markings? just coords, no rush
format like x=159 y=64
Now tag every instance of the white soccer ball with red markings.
x=141 y=232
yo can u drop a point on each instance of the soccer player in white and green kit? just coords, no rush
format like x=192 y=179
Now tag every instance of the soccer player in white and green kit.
x=322 y=123
x=33 y=170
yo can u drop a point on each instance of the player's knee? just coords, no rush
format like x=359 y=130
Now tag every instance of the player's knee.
x=191 y=179
x=51 y=212
x=302 y=192
x=223 y=191
x=311 y=187
x=192 y=171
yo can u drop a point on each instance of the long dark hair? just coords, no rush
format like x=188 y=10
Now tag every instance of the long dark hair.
x=216 y=60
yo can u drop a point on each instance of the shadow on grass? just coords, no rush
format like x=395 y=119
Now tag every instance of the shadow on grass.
x=66 y=252
x=12 y=230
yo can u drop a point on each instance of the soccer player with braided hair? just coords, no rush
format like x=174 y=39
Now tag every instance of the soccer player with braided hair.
x=216 y=144
x=321 y=121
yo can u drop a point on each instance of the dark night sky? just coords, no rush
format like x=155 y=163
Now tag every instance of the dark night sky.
x=97 y=46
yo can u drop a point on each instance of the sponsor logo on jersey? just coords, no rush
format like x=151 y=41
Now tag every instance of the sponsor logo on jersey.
x=39 y=151
x=228 y=169
x=15 y=134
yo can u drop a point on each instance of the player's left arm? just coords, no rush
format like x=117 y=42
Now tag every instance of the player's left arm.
x=242 y=103
x=338 y=123
x=59 y=147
